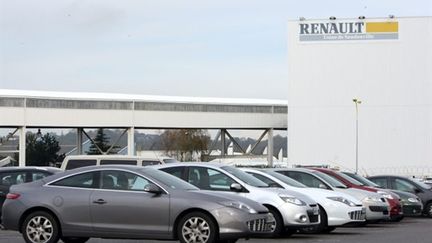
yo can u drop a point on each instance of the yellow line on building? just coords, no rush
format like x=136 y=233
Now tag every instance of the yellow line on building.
x=382 y=27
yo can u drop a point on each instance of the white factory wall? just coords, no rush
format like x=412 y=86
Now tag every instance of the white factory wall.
x=393 y=78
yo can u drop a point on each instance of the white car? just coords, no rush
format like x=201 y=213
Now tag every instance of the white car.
x=291 y=210
x=336 y=208
x=377 y=208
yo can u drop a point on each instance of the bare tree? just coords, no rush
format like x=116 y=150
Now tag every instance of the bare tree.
x=182 y=143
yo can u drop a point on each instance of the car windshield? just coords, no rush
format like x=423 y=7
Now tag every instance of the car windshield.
x=362 y=179
x=330 y=180
x=245 y=177
x=350 y=179
x=285 y=179
x=169 y=180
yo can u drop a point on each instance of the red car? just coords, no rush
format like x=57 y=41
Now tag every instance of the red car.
x=392 y=198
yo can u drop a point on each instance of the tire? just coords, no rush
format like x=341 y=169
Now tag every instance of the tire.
x=278 y=226
x=428 y=210
x=323 y=225
x=40 y=227
x=74 y=239
x=197 y=226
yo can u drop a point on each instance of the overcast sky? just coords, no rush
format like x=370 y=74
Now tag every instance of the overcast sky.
x=159 y=47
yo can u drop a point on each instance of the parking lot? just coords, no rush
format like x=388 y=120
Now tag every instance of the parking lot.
x=413 y=230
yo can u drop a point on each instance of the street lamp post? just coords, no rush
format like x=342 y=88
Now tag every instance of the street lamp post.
x=356 y=102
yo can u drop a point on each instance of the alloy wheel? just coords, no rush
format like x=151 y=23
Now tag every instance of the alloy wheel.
x=39 y=229
x=196 y=230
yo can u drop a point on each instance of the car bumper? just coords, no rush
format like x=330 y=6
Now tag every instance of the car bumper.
x=295 y=216
x=345 y=215
x=11 y=213
x=234 y=223
x=377 y=211
x=412 y=210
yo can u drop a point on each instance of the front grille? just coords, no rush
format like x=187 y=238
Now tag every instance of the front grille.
x=378 y=209
x=357 y=215
x=412 y=209
x=259 y=225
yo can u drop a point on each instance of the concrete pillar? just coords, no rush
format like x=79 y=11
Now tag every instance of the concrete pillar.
x=22 y=147
x=270 y=147
x=223 y=142
x=131 y=141
x=79 y=141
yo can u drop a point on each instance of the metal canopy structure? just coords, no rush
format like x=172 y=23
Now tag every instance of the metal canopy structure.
x=37 y=109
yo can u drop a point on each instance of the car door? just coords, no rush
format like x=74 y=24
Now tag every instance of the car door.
x=71 y=196
x=121 y=207
x=209 y=179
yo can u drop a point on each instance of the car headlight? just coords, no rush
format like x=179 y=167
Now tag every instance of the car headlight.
x=372 y=199
x=239 y=205
x=342 y=200
x=291 y=199
x=385 y=194
x=413 y=200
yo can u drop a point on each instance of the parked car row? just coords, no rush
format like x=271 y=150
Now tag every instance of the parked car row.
x=115 y=201
x=196 y=202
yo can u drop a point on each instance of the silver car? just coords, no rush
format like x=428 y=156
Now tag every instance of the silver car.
x=291 y=210
x=376 y=206
x=127 y=202
x=336 y=208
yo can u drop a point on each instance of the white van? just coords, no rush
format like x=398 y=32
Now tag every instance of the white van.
x=77 y=161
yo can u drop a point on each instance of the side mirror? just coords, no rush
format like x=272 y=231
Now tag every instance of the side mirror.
x=236 y=187
x=152 y=188
x=416 y=190
x=322 y=186
x=275 y=185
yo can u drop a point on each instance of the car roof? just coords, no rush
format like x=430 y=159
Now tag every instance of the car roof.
x=98 y=167
x=394 y=176
x=28 y=168
x=207 y=164
x=290 y=169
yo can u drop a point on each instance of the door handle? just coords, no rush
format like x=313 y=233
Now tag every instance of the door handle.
x=100 y=201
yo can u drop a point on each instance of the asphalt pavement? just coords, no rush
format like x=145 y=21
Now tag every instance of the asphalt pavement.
x=409 y=230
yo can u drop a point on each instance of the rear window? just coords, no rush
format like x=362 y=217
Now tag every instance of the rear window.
x=150 y=162
x=117 y=162
x=85 y=180
x=168 y=161
x=77 y=163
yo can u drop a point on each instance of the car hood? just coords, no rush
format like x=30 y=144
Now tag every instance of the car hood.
x=219 y=197
x=302 y=196
x=358 y=193
x=323 y=193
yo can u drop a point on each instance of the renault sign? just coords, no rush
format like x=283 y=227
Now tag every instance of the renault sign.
x=348 y=31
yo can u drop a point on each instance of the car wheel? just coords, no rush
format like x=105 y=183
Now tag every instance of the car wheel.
x=277 y=226
x=323 y=225
x=196 y=227
x=74 y=239
x=428 y=210
x=40 y=227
